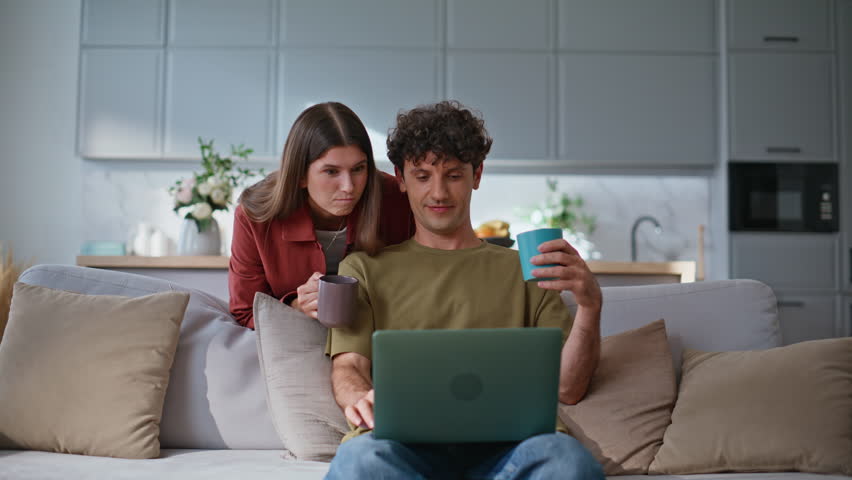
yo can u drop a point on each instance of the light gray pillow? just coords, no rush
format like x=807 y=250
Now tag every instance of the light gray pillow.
x=291 y=347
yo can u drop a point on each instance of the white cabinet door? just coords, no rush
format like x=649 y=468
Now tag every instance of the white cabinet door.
x=780 y=24
x=376 y=85
x=844 y=54
x=123 y=22
x=628 y=25
x=782 y=107
x=226 y=95
x=512 y=92
x=637 y=110
x=806 y=317
x=222 y=22
x=362 y=23
x=846 y=326
x=509 y=24
x=120 y=99
x=797 y=261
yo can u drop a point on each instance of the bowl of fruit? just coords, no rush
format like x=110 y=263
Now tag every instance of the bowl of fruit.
x=496 y=232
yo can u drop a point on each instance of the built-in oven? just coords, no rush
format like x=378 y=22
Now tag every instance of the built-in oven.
x=783 y=197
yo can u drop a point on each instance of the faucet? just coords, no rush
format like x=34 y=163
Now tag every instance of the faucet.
x=638 y=221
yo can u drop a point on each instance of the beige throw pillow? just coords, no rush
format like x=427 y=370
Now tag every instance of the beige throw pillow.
x=87 y=374
x=624 y=415
x=780 y=409
x=291 y=347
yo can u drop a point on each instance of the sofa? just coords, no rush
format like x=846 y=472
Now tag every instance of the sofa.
x=216 y=420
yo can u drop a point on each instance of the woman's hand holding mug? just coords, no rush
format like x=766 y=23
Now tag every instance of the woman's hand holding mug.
x=307 y=296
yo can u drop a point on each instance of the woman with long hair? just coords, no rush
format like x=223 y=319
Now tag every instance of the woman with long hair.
x=326 y=200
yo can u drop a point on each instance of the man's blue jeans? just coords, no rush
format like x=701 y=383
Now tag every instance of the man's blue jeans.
x=545 y=457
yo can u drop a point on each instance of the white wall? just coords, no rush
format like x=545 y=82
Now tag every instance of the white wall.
x=40 y=177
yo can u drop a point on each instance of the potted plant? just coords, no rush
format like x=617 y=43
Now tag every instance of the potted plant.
x=197 y=197
x=561 y=210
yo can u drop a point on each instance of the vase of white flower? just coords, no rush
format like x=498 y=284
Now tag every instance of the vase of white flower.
x=198 y=196
x=195 y=242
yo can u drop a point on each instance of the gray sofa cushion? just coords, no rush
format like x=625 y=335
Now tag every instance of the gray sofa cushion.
x=216 y=397
x=242 y=465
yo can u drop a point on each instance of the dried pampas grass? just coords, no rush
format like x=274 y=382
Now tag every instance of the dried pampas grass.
x=9 y=273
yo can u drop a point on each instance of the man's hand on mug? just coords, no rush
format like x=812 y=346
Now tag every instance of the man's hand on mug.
x=569 y=273
x=307 y=299
x=361 y=413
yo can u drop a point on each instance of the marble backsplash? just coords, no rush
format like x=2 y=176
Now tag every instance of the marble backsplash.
x=120 y=195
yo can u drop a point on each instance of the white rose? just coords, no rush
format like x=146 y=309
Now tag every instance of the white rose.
x=218 y=196
x=202 y=210
x=204 y=188
x=216 y=182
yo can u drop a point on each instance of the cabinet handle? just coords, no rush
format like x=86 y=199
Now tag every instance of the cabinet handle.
x=780 y=39
x=791 y=303
x=783 y=150
x=850 y=265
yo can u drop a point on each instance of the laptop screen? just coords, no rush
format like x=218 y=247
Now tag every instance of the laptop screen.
x=475 y=385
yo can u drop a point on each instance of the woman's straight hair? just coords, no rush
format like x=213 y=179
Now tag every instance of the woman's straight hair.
x=316 y=130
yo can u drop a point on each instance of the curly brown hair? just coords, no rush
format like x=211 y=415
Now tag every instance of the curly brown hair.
x=448 y=129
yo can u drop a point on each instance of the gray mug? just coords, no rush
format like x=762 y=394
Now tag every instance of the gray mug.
x=337 y=294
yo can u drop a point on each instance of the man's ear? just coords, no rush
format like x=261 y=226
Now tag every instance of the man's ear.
x=399 y=179
x=477 y=175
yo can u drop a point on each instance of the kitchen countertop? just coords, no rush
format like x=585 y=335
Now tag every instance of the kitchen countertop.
x=685 y=270
x=135 y=261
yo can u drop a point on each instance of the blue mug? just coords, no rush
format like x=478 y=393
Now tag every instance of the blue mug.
x=528 y=243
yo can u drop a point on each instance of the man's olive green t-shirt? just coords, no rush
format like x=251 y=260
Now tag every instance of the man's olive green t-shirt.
x=409 y=286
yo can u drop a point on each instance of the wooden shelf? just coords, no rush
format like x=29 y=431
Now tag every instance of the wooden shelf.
x=133 y=261
x=682 y=269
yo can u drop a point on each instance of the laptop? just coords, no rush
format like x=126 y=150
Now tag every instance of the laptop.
x=457 y=386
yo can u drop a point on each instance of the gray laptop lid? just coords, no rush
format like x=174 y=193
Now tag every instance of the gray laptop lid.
x=480 y=385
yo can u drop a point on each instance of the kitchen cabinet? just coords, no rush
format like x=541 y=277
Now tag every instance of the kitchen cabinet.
x=512 y=91
x=791 y=25
x=222 y=23
x=630 y=26
x=555 y=89
x=637 y=110
x=365 y=23
x=846 y=305
x=202 y=99
x=120 y=102
x=844 y=55
x=807 y=317
x=377 y=85
x=509 y=24
x=123 y=22
x=795 y=261
x=781 y=106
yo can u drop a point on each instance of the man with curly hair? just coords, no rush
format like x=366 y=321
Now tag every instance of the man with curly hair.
x=446 y=277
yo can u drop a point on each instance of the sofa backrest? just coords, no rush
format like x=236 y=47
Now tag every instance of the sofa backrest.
x=216 y=398
x=722 y=315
